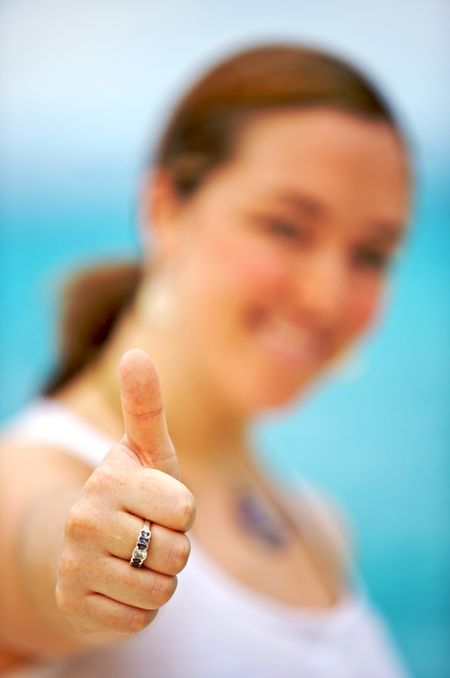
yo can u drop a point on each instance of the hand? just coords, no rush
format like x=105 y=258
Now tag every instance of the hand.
x=97 y=588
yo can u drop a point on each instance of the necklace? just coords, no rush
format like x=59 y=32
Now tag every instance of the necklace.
x=257 y=510
x=255 y=518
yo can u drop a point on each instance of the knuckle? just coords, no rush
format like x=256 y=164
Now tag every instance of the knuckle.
x=102 y=479
x=75 y=522
x=186 y=510
x=68 y=568
x=81 y=523
x=179 y=554
x=162 y=589
x=63 y=601
x=69 y=591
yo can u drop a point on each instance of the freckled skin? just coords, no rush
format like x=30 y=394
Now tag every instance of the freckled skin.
x=231 y=267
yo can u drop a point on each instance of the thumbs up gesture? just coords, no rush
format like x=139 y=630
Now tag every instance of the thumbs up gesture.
x=97 y=587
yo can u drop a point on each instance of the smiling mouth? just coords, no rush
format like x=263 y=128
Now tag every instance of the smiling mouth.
x=285 y=340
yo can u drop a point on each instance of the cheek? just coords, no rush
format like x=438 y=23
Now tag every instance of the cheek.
x=241 y=267
x=365 y=305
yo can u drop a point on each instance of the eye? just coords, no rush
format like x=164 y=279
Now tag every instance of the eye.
x=372 y=259
x=284 y=229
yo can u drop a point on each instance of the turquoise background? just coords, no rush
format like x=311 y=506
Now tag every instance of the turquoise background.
x=85 y=87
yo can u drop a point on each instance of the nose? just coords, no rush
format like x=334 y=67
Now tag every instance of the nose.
x=321 y=289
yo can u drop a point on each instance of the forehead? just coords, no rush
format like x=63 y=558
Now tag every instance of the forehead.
x=353 y=162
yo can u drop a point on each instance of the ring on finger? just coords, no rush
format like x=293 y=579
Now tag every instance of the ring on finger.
x=140 y=551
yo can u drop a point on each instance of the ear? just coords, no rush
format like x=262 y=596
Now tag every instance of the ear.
x=160 y=205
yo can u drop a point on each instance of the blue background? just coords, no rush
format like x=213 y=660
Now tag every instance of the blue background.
x=85 y=88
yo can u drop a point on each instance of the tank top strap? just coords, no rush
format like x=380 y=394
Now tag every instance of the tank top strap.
x=48 y=422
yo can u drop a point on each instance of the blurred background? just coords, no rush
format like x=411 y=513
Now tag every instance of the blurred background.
x=85 y=86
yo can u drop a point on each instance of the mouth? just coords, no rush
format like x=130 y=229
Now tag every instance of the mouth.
x=285 y=340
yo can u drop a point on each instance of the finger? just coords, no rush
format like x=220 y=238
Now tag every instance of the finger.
x=158 y=497
x=137 y=587
x=168 y=551
x=101 y=614
x=147 y=493
x=143 y=413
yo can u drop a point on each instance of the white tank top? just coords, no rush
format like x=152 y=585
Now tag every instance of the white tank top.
x=215 y=626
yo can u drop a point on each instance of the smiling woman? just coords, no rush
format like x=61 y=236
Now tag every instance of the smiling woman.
x=278 y=196
x=303 y=242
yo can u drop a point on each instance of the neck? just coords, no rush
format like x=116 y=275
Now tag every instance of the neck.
x=205 y=429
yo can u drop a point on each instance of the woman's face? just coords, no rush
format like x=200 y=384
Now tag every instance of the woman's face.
x=281 y=255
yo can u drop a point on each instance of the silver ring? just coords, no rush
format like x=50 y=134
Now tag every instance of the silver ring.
x=142 y=545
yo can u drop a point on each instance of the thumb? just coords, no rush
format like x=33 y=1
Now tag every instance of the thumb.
x=143 y=413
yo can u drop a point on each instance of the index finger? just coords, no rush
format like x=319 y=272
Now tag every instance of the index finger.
x=143 y=413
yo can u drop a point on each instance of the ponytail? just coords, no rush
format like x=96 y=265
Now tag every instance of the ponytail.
x=92 y=301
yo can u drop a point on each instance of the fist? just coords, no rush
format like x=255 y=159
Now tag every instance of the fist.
x=97 y=587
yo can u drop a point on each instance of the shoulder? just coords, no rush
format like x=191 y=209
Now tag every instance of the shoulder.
x=35 y=446
x=17 y=449
x=47 y=424
x=30 y=467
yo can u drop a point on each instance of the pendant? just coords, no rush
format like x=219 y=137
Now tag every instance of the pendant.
x=254 y=518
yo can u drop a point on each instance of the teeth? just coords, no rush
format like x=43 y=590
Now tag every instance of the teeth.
x=288 y=339
x=291 y=333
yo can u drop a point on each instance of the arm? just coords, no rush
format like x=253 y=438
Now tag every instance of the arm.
x=37 y=489
x=66 y=581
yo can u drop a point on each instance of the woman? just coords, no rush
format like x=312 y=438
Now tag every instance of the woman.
x=278 y=196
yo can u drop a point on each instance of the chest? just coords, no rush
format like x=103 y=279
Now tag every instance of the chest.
x=299 y=571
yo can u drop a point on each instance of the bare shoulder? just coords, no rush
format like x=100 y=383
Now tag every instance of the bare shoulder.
x=27 y=469
x=22 y=453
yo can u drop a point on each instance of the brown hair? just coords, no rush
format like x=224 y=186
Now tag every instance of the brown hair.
x=198 y=138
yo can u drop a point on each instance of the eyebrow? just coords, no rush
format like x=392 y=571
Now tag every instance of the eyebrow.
x=301 y=202
x=390 y=232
